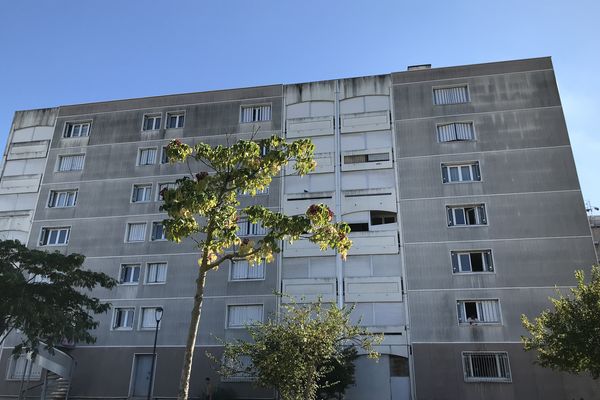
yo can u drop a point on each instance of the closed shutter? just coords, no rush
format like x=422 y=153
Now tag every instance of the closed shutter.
x=446 y=133
x=464 y=131
x=452 y=95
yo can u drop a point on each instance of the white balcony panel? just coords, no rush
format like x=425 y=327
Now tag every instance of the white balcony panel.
x=32 y=133
x=383 y=199
x=311 y=183
x=373 y=289
x=374 y=243
x=361 y=104
x=20 y=184
x=16 y=221
x=324 y=164
x=19 y=151
x=372 y=121
x=315 y=108
x=309 y=290
x=346 y=166
x=368 y=179
x=296 y=204
x=304 y=248
x=310 y=126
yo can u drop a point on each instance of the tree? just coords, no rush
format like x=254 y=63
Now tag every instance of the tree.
x=568 y=338
x=44 y=296
x=339 y=374
x=203 y=207
x=296 y=354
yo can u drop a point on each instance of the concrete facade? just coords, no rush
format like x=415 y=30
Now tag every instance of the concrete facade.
x=380 y=168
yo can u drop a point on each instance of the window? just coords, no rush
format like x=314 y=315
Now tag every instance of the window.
x=382 y=217
x=359 y=227
x=366 y=158
x=241 y=315
x=163 y=156
x=451 y=95
x=461 y=172
x=70 y=163
x=243 y=370
x=136 y=232
x=265 y=190
x=158 y=231
x=147 y=156
x=62 y=198
x=130 y=274
x=247 y=228
x=142 y=193
x=456 y=131
x=478 y=311
x=123 y=318
x=76 y=129
x=466 y=215
x=151 y=122
x=21 y=368
x=486 y=366
x=256 y=113
x=163 y=186
x=55 y=236
x=157 y=273
x=175 y=120
x=149 y=318
x=242 y=270
x=472 y=261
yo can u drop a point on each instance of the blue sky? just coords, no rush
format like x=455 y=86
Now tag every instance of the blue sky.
x=65 y=52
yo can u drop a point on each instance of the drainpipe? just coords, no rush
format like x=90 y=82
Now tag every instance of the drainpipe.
x=338 y=192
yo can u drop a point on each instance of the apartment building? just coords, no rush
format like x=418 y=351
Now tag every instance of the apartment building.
x=458 y=183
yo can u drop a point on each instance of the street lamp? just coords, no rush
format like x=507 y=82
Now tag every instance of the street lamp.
x=158 y=313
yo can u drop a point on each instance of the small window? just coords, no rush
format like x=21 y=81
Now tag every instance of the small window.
x=147 y=156
x=123 y=318
x=136 y=232
x=157 y=273
x=366 y=158
x=239 y=316
x=451 y=95
x=151 y=122
x=55 y=236
x=486 y=366
x=466 y=215
x=163 y=186
x=241 y=367
x=62 y=198
x=76 y=129
x=164 y=159
x=247 y=228
x=142 y=193
x=472 y=261
x=359 y=227
x=23 y=368
x=158 y=231
x=478 y=312
x=149 y=318
x=452 y=173
x=70 y=163
x=175 y=120
x=256 y=113
x=242 y=270
x=456 y=131
x=130 y=274
x=382 y=217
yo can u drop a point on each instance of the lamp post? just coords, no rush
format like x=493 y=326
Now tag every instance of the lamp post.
x=158 y=313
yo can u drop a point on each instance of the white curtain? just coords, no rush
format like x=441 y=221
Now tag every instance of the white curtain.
x=157 y=272
x=488 y=311
x=242 y=270
x=137 y=232
x=149 y=318
x=464 y=130
x=71 y=163
x=242 y=315
x=147 y=156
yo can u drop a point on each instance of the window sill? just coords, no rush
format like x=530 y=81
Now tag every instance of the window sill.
x=122 y=329
x=488 y=380
x=129 y=284
x=468 y=226
x=154 y=283
x=247 y=280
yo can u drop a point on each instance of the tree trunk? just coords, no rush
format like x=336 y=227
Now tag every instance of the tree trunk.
x=308 y=392
x=186 y=371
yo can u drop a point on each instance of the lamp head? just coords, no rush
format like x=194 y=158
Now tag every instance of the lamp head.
x=158 y=313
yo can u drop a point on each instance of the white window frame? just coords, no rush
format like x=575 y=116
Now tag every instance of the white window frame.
x=256 y=107
x=164 y=233
x=147 y=275
x=64 y=156
x=130 y=265
x=36 y=370
x=152 y=116
x=54 y=196
x=80 y=125
x=128 y=229
x=135 y=186
x=461 y=311
x=232 y=265
x=58 y=229
x=474 y=171
x=139 y=156
x=466 y=357
x=114 y=319
x=480 y=220
x=179 y=115
x=160 y=187
x=247 y=228
x=243 y=326
x=462 y=85
x=141 y=326
x=488 y=268
x=163 y=155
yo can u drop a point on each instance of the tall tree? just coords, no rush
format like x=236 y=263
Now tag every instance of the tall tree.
x=568 y=338
x=298 y=354
x=46 y=296
x=204 y=207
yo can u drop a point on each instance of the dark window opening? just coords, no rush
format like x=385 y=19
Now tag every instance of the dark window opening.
x=477 y=262
x=359 y=227
x=398 y=366
x=382 y=217
x=471 y=310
